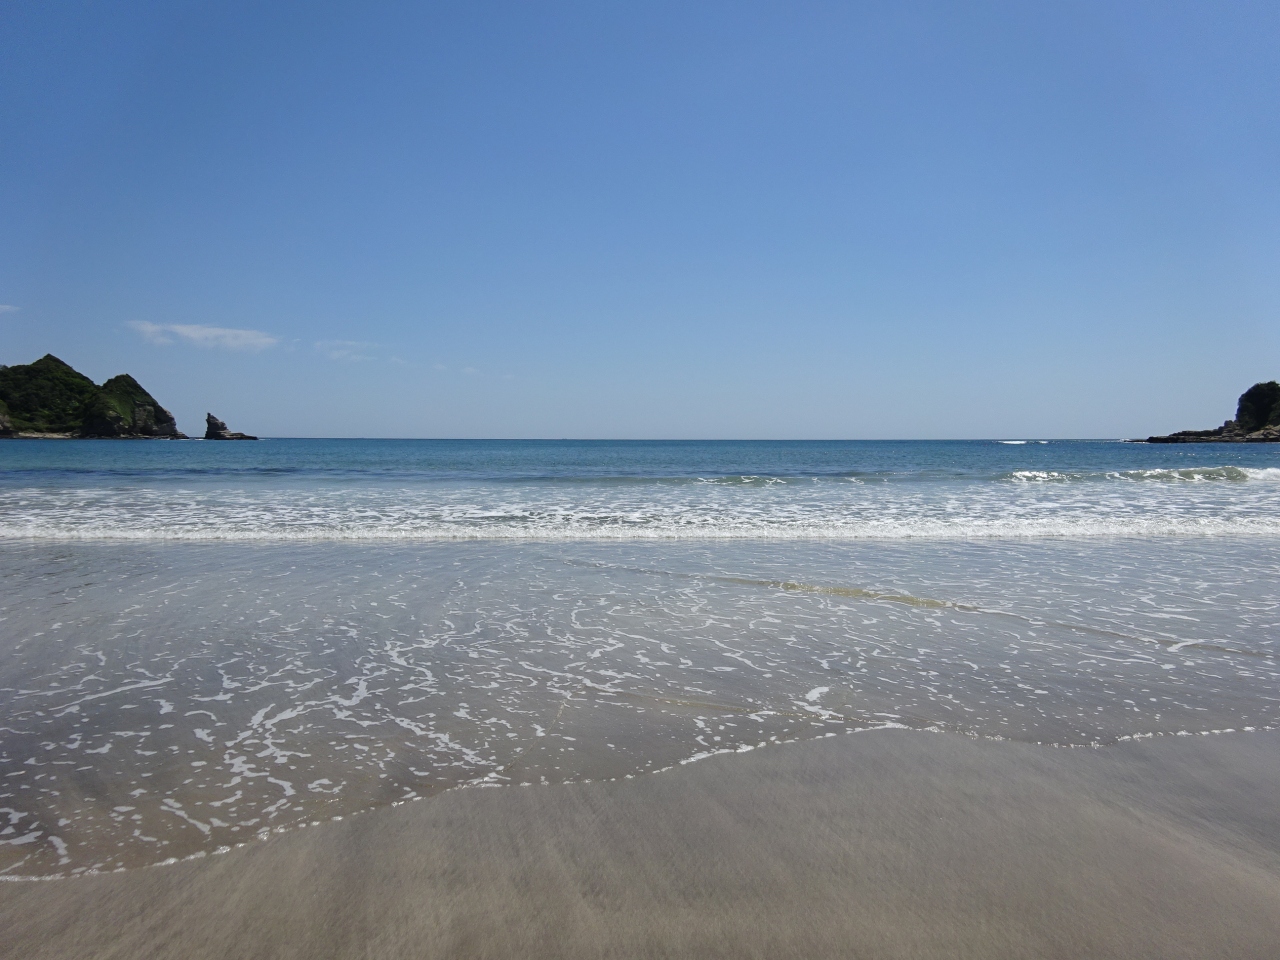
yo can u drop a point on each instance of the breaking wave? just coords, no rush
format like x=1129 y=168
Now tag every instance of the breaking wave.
x=380 y=491
x=1028 y=508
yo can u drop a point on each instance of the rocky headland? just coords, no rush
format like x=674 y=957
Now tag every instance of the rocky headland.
x=49 y=398
x=1257 y=421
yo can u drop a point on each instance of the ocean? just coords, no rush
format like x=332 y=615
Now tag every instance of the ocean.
x=203 y=644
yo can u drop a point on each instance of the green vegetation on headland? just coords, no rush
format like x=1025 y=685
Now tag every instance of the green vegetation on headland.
x=1257 y=421
x=50 y=399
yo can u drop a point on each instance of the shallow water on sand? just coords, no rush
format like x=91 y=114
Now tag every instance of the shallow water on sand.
x=163 y=700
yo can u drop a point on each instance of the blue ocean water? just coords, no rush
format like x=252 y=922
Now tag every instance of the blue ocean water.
x=202 y=644
x=427 y=489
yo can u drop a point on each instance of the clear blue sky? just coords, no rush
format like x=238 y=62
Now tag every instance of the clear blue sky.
x=653 y=219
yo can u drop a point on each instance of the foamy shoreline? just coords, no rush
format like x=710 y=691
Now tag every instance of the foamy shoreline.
x=893 y=844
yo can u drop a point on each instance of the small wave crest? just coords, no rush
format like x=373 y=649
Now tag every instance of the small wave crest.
x=1219 y=500
x=1262 y=473
x=1231 y=474
x=667 y=529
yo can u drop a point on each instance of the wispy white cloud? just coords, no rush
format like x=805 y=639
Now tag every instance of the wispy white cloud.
x=468 y=371
x=346 y=349
x=227 y=338
x=8 y=308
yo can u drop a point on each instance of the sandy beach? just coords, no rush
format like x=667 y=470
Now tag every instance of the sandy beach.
x=883 y=844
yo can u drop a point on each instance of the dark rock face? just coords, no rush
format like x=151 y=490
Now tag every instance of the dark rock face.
x=49 y=398
x=215 y=429
x=1257 y=421
x=124 y=409
x=1259 y=407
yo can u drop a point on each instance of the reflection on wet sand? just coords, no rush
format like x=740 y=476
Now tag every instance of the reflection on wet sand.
x=162 y=701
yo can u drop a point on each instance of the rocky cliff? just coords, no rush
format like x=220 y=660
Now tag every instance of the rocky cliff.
x=123 y=409
x=50 y=399
x=1257 y=421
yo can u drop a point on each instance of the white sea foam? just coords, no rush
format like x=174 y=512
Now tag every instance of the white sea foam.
x=1199 y=501
x=933 y=530
x=299 y=682
x=1162 y=475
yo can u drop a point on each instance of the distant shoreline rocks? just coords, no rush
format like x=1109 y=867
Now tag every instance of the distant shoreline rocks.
x=50 y=400
x=215 y=429
x=1257 y=421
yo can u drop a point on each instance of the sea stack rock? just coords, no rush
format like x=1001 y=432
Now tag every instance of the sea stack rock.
x=217 y=430
x=1257 y=421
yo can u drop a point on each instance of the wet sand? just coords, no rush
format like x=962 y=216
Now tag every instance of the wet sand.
x=881 y=844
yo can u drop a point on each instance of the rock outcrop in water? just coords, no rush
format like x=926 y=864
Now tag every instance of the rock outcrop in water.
x=1257 y=421
x=215 y=429
x=49 y=398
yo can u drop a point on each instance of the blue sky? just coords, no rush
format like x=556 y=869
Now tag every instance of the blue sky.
x=648 y=220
